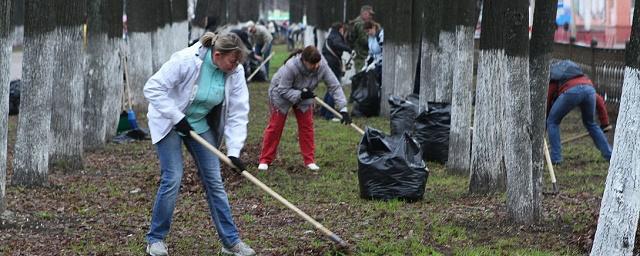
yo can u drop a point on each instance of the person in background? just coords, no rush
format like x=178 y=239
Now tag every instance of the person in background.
x=332 y=51
x=252 y=56
x=292 y=87
x=200 y=89
x=262 y=39
x=358 y=37
x=569 y=87
x=375 y=40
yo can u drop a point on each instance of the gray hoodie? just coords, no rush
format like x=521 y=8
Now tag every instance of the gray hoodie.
x=293 y=76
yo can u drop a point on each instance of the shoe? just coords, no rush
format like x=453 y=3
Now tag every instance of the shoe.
x=263 y=167
x=335 y=119
x=313 y=167
x=240 y=249
x=157 y=249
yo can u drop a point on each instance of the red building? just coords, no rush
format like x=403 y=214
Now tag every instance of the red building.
x=606 y=21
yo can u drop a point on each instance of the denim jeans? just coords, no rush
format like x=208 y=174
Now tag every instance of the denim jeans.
x=264 y=51
x=169 y=151
x=582 y=96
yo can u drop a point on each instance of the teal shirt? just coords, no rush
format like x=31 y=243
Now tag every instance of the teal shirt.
x=210 y=93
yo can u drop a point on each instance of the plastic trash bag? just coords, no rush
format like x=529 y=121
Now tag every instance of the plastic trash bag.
x=14 y=97
x=390 y=167
x=432 y=132
x=402 y=114
x=365 y=93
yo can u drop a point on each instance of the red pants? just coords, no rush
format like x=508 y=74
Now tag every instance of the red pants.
x=273 y=132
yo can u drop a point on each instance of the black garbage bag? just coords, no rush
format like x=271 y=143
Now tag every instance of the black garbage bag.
x=402 y=114
x=390 y=167
x=365 y=94
x=432 y=131
x=253 y=64
x=14 y=97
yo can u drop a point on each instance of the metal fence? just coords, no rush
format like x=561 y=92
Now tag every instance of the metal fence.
x=604 y=66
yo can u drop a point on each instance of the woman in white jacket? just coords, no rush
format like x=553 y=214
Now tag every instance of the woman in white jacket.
x=201 y=89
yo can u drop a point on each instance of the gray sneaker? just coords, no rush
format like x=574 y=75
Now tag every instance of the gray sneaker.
x=240 y=249
x=157 y=249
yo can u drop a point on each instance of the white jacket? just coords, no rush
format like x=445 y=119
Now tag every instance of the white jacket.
x=171 y=90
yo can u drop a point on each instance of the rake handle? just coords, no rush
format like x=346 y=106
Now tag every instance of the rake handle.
x=336 y=113
x=259 y=67
x=269 y=191
x=552 y=173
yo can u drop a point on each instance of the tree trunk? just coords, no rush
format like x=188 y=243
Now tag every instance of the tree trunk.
x=429 y=57
x=388 y=59
x=459 y=160
x=447 y=47
x=114 y=68
x=400 y=35
x=68 y=86
x=517 y=110
x=540 y=57
x=247 y=10
x=296 y=11
x=31 y=152
x=180 y=25
x=140 y=61
x=620 y=206
x=103 y=93
x=160 y=42
x=17 y=22
x=5 y=61
x=487 y=150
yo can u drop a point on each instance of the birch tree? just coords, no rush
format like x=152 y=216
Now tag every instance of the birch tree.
x=459 y=159
x=539 y=59
x=103 y=93
x=31 y=152
x=139 y=53
x=68 y=86
x=618 y=220
x=5 y=60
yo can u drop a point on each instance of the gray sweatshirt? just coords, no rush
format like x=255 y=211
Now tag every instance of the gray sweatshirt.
x=293 y=76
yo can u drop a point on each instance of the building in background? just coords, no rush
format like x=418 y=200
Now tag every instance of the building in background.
x=606 y=21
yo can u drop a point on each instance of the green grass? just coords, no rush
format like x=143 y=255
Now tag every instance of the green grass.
x=102 y=216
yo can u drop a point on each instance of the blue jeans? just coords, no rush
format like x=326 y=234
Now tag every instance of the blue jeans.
x=264 y=51
x=169 y=151
x=584 y=97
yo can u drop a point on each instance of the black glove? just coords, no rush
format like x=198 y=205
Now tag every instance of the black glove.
x=346 y=119
x=306 y=94
x=603 y=127
x=183 y=126
x=238 y=163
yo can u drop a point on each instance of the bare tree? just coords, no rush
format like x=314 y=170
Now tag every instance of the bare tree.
x=620 y=206
x=68 y=86
x=31 y=156
x=103 y=75
x=446 y=49
x=141 y=27
x=5 y=60
x=161 y=37
x=429 y=49
x=459 y=159
x=539 y=59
